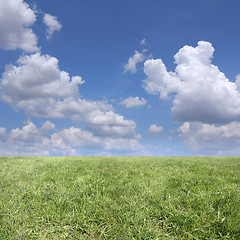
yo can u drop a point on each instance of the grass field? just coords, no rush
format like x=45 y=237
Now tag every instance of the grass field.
x=119 y=198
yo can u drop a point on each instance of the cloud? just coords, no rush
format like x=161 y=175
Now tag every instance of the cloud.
x=29 y=133
x=39 y=87
x=79 y=109
x=52 y=24
x=154 y=129
x=209 y=138
x=110 y=124
x=131 y=102
x=37 y=76
x=124 y=145
x=16 y=18
x=143 y=42
x=198 y=89
x=74 y=137
x=47 y=127
x=77 y=138
x=31 y=140
x=131 y=66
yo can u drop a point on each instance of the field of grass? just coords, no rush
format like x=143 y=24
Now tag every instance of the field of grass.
x=119 y=198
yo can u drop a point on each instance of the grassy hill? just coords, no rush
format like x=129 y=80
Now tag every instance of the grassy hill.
x=119 y=198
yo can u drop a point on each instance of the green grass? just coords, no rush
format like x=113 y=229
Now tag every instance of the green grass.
x=119 y=198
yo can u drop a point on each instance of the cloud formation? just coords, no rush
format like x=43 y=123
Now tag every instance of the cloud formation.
x=52 y=24
x=31 y=140
x=16 y=19
x=199 y=90
x=110 y=124
x=75 y=138
x=143 y=42
x=131 y=66
x=38 y=86
x=131 y=102
x=154 y=129
x=208 y=138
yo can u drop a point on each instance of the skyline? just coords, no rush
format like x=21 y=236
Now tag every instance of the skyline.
x=124 y=78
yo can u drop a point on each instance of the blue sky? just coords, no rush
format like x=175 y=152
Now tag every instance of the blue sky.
x=124 y=77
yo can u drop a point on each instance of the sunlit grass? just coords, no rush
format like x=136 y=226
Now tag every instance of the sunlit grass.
x=119 y=198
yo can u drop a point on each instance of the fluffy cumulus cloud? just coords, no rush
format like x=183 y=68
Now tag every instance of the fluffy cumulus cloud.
x=212 y=139
x=154 y=129
x=52 y=24
x=131 y=102
x=199 y=90
x=77 y=139
x=37 y=76
x=110 y=124
x=31 y=140
x=38 y=86
x=16 y=18
x=131 y=66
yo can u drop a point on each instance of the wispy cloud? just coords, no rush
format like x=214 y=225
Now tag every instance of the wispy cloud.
x=52 y=24
x=154 y=129
x=143 y=42
x=131 y=102
x=131 y=66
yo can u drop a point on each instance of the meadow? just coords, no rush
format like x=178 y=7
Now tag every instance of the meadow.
x=120 y=197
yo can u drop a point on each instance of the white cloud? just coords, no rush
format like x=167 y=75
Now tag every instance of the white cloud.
x=134 y=102
x=98 y=117
x=125 y=145
x=79 y=109
x=110 y=124
x=47 y=127
x=78 y=80
x=131 y=66
x=74 y=137
x=16 y=18
x=154 y=129
x=200 y=92
x=38 y=86
x=143 y=42
x=209 y=138
x=52 y=24
x=37 y=76
x=29 y=133
x=31 y=140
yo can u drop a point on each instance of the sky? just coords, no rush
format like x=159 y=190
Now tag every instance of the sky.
x=119 y=78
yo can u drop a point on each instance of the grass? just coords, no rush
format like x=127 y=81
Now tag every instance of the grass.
x=119 y=198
